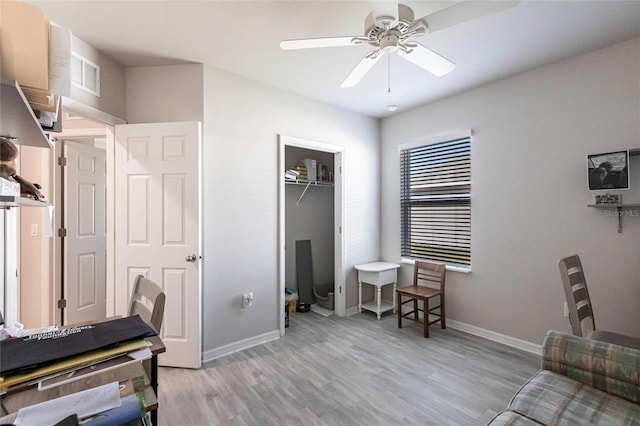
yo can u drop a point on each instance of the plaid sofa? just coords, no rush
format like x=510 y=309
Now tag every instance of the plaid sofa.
x=582 y=382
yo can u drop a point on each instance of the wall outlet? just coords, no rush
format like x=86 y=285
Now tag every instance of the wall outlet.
x=247 y=300
x=566 y=310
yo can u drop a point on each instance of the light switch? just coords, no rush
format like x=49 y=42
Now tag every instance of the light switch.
x=34 y=229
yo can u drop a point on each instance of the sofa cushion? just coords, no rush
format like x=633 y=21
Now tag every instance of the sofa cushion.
x=611 y=368
x=551 y=398
x=510 y=418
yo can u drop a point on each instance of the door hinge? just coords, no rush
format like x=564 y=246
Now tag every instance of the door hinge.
x=62 y=303
x=340 y=229
x=340 y=289
x=62 y=232
x=340 y=169
x=62 y=161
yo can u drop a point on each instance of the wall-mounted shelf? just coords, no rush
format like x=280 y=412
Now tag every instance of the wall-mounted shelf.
x=17 y=120
x=620 y=209
x=9 y=201
x=307 y=184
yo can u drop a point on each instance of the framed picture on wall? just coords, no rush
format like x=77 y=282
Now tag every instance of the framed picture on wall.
x=609 y=170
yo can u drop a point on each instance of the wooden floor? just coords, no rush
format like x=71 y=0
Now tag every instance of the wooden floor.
x=350 y=371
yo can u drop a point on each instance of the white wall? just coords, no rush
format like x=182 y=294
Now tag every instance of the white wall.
x=529 y=206
x=35 y=246
x=242 y=121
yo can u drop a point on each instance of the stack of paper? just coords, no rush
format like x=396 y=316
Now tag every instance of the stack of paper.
x=110 y=404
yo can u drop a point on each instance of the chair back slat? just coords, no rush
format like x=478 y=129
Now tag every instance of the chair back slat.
x=429 y=274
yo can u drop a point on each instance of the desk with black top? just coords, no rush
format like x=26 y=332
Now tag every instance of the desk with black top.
x=13 y=400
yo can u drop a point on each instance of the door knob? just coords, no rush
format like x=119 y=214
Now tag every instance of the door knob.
x=191 y=258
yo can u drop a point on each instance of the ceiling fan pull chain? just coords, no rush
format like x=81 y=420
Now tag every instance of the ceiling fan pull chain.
x=388 y=73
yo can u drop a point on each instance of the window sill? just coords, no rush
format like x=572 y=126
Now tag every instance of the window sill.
x=461 y=269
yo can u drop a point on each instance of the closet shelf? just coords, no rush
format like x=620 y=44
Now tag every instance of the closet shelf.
x=307 y=184
x=9 y=201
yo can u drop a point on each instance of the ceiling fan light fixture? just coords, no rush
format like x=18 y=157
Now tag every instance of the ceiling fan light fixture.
x=389 y=42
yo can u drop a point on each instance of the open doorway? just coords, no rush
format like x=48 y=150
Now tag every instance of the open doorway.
x=323 y=203
x=80 y=198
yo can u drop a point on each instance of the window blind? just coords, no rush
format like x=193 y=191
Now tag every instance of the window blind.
x=436 y=202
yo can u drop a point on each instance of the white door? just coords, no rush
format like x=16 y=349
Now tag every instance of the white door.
x=157 y=227
x=85 y=244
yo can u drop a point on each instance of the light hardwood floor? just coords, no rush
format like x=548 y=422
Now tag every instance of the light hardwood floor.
x=350 y=371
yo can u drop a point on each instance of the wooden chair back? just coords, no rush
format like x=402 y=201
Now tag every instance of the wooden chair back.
x=147 y=300
x=577 y=295
x=429 y=274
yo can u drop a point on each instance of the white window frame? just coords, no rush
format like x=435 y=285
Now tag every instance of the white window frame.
x=461 y=192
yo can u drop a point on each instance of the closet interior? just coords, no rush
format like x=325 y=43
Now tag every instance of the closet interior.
x=309 y=229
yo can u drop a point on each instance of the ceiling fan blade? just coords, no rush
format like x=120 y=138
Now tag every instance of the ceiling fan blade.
x=427 y=59
x=362 y=68
x=310 y=43
x=385 y=11
x=465 y=11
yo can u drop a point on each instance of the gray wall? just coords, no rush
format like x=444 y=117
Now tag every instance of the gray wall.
x=242 y=121
x=165 y=94
x=112 y=81
x=529 y=205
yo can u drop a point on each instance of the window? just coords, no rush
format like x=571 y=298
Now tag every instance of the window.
x=435 y=202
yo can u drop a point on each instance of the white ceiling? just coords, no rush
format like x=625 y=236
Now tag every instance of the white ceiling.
x=243 y=37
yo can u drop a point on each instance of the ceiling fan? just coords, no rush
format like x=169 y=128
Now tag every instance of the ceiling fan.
x=391 y=27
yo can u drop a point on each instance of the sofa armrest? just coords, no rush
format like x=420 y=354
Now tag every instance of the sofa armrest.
x=611 y=368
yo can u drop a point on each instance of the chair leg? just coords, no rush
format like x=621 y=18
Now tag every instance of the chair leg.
x=425 y=306
x=399 y=302
x=415 y=309
x=443 y=321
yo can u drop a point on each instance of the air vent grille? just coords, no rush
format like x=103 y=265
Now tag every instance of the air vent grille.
x=85 y=74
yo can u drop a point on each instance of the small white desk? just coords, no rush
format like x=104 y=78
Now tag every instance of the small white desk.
x=377 y=274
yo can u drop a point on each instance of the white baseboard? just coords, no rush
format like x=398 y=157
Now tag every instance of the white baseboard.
x=496 y=337
x=456 y=325
x=240 y=345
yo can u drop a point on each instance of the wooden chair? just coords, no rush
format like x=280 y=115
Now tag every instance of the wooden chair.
x=147 y=300
x=424 y=273
x=580 y=311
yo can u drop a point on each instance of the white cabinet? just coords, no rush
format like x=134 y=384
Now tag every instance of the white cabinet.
x=17 y=120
